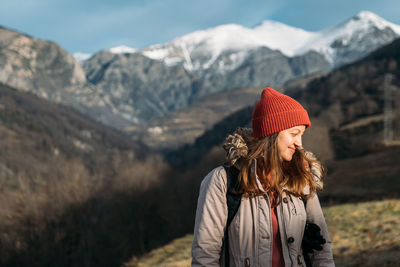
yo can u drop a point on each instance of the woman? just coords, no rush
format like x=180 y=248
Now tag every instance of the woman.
x=277 y=181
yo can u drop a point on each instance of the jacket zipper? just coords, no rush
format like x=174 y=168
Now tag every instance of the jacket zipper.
x=266 y=196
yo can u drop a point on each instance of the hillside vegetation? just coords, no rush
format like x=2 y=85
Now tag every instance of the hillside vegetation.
x=363 y=234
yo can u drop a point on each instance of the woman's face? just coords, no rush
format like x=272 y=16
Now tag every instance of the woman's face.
x=289 y=140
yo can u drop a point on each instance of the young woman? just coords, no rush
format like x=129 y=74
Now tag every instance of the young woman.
x=277 y=180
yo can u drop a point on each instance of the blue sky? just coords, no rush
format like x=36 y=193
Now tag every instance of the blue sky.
x=92 y=25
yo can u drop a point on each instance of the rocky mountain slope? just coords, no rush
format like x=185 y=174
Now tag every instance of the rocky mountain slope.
x=45 y=69
x=139 y=87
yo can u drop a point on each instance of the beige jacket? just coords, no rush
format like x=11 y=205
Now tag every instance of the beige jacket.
x=250 y=233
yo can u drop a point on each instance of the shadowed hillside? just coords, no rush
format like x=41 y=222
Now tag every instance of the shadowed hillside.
x=77 y=193
x=35 y=132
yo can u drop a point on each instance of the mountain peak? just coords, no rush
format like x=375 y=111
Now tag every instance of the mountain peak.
x=366 y=19
x=270 y=24
x=367 y=15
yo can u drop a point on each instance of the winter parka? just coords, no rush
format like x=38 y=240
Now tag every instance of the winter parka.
x=250 y=232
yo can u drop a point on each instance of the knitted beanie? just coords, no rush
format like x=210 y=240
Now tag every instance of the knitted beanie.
x=276 y=112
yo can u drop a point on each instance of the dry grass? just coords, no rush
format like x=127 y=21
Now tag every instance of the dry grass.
x=364 y=234
x=175 y=254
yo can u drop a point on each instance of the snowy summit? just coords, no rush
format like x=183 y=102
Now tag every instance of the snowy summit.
x=346 y=32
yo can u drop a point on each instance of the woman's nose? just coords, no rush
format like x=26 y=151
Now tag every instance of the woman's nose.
x=298 y=142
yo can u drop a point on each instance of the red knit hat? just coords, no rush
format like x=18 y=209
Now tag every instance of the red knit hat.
x=276 y=112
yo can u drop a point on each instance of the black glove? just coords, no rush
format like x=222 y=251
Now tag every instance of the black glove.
x=312 y=239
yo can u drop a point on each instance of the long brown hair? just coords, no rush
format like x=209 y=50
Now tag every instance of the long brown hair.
x=244 y=151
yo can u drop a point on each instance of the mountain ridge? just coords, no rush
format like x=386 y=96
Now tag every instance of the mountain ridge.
x=271 y=34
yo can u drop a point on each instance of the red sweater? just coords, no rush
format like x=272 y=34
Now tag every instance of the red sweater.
x=277 y=256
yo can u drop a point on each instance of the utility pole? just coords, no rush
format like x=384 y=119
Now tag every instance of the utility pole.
x=388 y=111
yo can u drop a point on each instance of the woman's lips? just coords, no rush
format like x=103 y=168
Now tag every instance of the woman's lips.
x=292 y=149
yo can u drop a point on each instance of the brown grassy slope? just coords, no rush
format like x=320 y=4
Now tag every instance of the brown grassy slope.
x=364 y=178
x=364 y=234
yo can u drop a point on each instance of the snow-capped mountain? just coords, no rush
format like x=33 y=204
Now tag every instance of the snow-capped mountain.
x=162 y=78
x=200 y=49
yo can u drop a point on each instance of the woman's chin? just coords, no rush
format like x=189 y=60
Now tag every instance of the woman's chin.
x=287 y=158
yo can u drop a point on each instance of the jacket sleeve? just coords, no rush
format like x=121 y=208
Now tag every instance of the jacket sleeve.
x=315 y=215
x=211 y=216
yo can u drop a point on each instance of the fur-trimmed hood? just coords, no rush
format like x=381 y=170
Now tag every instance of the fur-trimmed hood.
x=235 y=147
